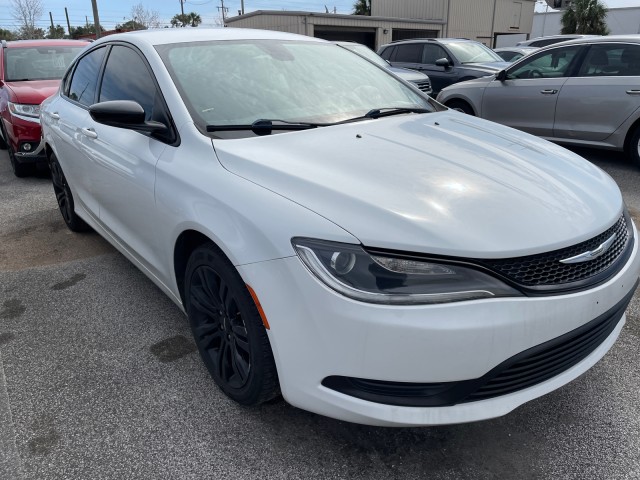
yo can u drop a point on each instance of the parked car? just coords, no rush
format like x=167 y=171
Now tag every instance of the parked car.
x=445 y=60
x=30 y=71
x=420 y=80
x=583 y=93
x=334 y=234
x=511 y=54
x=539 y=42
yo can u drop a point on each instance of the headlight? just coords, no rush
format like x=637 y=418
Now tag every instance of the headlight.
x=351 y=271
x=30 y=113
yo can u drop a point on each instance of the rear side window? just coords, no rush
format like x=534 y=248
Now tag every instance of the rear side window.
x=82 y=88
x=612 y=60
x=410 y=53
x=126 y=77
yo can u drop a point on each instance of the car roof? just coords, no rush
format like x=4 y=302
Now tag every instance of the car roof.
x=163 y=36
x=633 y=38
x=515 y=49
x=45 y=43
x=437 y=40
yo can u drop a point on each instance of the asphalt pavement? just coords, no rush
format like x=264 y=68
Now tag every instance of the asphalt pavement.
x=99 y=379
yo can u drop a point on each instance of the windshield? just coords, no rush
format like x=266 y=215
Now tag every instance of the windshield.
x=472 y=52
x=38 y=63
x=239 y=82
x=367 y=53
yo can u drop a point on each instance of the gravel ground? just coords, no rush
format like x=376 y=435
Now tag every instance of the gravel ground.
x=99 y=379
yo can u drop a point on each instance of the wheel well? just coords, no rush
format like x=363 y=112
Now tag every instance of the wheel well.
x=187 y=242
x=451 y=104
x=48 y=151
x=630 y=133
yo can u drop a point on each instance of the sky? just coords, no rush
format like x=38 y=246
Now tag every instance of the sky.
x=118 y=11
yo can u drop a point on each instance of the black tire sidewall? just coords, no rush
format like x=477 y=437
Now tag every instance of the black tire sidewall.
x=257 y=389
x=75 y=224
x=632 y=147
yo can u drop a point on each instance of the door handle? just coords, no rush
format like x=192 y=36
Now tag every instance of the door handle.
x=54 y=116
x=89 y=132
x=633 y=92
x=550 y=91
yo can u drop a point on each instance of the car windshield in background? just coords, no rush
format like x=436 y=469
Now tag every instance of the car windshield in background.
x=38 y=63
x=241 y=82
x=470 y=52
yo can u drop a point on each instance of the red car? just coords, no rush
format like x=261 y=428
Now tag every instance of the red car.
x=30 y=71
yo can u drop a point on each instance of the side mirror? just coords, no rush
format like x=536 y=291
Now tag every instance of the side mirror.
x=501 y=76
x=443 y=62
x=124 y=114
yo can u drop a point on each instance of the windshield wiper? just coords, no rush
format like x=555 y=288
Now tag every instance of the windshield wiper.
x=387 y=112
x=264 y=126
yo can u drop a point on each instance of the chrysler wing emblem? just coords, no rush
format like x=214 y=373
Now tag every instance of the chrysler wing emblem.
x=593 y=254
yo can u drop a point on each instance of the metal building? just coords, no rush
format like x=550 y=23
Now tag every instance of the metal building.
x=482 y=20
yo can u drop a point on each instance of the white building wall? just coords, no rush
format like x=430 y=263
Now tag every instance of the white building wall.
x=413 y=9
x=621 y=21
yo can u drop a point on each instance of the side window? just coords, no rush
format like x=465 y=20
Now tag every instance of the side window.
x=433 y=53
x=409 y=53
x=386 y=53
x=611 y=60
x=550 y=64
x=84 y=81
x=544 y=43
x=126 y=77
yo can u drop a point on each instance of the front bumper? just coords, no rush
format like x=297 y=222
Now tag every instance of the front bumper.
x=21 y=132
x=316 y=333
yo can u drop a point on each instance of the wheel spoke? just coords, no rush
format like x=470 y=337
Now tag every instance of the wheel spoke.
x=203 y=303
x=223 y=361
x=239 y=330
x=242 y=344
x=205 y=329
x=240 y=368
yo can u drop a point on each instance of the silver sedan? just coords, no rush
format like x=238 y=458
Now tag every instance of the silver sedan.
x=583 y=92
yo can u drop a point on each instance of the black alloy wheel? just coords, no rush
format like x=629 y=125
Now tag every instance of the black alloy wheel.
x=65 y=198
x=228 y=329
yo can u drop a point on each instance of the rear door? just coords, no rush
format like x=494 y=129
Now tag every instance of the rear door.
x=527 y=99
x=603 y=94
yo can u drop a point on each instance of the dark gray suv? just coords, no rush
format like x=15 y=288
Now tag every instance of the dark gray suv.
x=445 y=60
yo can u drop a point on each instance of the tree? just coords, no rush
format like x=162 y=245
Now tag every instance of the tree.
x=88 y=29
x=130 y=25
x=362 y=7
x=6 y=34
x=27 y=13
x=57 y=32
x=144 y=17
x=585 y=17
x=186 y=20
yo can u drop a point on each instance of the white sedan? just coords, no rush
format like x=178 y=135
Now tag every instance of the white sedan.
x=335 y=236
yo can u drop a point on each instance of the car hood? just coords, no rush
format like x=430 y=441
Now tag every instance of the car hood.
x=33 y=91
x=440 y=183
x=409 y=75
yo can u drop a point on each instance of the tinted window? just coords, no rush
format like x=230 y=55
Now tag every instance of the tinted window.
x=433 y=53
x=85 y=77
x=611 y=60
x=411 y=53
x=126 y=77
x=386 y=53
x=548 y=41
x=551 y=64
x=509 y=56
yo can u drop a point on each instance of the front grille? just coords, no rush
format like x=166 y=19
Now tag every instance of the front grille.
x=546 y=270
x=528 y=368
x=424 y=85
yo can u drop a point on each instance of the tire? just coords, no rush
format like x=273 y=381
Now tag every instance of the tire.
x=3 y=135
x=228 y=329
x=633 y=147
x=65 y=198
x=461 y=106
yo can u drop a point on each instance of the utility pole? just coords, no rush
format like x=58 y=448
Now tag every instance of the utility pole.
x=182 y=6
x=68 y=24
x=242 y=6
x=224 y=10
x=51 y=18
x=96 y=20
